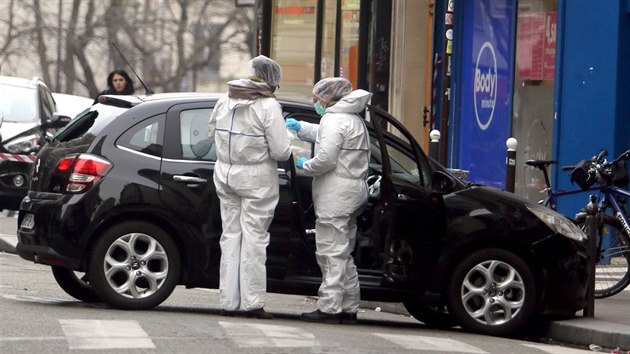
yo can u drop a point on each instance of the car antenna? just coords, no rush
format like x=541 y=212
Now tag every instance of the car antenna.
x=146 y=89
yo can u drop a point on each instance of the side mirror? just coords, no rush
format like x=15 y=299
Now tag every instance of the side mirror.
x=442 y=183
x=57 y=121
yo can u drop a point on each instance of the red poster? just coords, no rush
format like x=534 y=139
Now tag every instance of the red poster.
x=549 y=48
x=530 y=46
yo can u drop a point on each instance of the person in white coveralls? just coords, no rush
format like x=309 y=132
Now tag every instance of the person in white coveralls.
x=250 y=136
x=340 y=192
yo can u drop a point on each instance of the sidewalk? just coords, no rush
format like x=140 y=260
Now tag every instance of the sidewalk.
x=609 y=329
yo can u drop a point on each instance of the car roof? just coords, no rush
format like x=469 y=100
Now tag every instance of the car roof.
x=22 y=82
x=134 y=100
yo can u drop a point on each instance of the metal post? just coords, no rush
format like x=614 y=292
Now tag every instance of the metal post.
x=591 y=232
x=434 y=145
x=510 y=162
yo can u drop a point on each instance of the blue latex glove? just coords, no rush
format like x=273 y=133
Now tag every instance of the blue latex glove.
x=300 y=162
x=293 y=124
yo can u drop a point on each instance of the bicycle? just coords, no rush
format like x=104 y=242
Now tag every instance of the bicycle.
x=608 y=178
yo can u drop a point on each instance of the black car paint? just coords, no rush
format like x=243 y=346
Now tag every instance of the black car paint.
x=466 y=219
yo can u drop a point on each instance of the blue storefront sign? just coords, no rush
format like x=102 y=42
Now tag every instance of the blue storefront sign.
x=485 y=93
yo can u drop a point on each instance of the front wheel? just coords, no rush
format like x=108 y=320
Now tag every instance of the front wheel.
x=492 y=291
x=612 y=272
x=134 y=265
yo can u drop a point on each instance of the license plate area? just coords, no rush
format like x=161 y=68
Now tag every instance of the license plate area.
x=28 y=222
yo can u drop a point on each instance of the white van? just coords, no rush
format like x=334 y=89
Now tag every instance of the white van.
x=29 y=117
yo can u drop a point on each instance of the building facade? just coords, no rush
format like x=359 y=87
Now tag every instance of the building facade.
x=550 y=73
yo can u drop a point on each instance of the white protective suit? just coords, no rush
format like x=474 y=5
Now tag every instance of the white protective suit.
x=340 y=167
x=250 y=137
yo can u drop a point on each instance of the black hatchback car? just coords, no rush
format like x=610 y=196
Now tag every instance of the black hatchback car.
x=124 y=194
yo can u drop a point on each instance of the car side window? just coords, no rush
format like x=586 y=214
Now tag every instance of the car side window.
x=401 y=157
x=144 y=137
x=47 y=103
x=194 y=139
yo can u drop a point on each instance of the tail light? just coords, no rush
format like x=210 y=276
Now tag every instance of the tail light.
x=85 y=170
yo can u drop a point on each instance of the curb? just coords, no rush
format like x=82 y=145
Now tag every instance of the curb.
x=586 y=331
x=579 y=331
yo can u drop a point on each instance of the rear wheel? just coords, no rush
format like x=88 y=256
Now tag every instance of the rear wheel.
x=492 y=291
x=612 y=272
x=75 y=284
x=134 y=265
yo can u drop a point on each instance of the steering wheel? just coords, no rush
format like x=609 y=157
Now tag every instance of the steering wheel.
x=374 y=185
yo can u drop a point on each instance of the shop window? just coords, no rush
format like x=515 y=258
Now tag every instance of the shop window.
x=293 y=44
x=328 y=39
x=532 y=122
x=348 y=68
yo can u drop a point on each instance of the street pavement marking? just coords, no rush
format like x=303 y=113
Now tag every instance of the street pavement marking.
x=29 y=298
x=555 y=349
x=105 y=334
x=20 y=339
x=251 y=335
x=415 y=342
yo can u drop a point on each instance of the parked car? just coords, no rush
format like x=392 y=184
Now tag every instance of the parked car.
x=71 y=105
x=123 y=208
x=30 y=115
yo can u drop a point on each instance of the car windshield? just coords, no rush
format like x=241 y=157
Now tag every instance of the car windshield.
x=88 y=123
x=18 y=104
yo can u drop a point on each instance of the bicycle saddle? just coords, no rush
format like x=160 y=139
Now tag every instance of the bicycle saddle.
x=540 y=163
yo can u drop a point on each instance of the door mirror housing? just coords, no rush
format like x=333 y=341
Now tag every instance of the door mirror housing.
x=57 y=120
x=442 y=183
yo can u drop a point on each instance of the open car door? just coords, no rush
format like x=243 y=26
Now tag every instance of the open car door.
x=410 y=217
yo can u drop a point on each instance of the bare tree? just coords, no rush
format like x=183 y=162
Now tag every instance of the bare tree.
x=169 y=43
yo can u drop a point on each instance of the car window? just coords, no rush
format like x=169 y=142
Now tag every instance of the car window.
x=195 y=143
x=18 y=104
x=47 y=103
x=404 y=163
x=88 y=123
x=144 y=137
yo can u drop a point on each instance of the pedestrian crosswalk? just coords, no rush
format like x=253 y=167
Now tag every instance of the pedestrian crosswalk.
x=264 y=335
x=425 y=343
x=105 y=334
x=84 y=334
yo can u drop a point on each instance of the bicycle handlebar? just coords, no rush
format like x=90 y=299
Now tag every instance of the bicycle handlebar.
x=602 y=153
x=602 y=171
x=622 y=157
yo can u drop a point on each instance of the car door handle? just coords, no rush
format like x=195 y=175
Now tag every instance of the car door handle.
x=189 y=179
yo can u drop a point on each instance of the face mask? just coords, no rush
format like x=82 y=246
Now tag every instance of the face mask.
x=319 y=108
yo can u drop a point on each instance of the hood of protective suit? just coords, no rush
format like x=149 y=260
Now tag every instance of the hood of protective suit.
x=354 y=102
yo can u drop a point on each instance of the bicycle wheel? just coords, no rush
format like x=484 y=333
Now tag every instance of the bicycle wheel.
x=612 y=272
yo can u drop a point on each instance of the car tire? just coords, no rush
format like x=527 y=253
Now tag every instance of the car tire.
x=74 y=285
x=493 y=292
x=431 y=315
x=134 y=266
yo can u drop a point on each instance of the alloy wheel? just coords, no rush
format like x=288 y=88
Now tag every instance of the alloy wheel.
x=136 y=265
x=493 y=292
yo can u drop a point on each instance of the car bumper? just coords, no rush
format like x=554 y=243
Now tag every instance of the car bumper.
x=566 y=275
x=12 y=172
x=45 y=242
